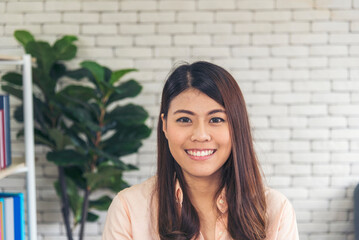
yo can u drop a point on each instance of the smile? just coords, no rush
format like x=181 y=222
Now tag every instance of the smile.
x=200 y=153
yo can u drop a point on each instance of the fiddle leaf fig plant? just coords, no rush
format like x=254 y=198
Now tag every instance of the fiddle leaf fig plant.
x=84 y=125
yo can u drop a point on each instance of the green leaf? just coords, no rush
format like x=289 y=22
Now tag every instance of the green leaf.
x=117 y=75
x=24 y=37
x=60 y=139
x=43 y=53
x=129 y=114
x=13 y=78
x=67 y=158
x=130 y=88
x=91 y=217
x=12 y=91
x=101 y=204
x=102 y=178
x=80 y=92
x=64 y=49
x=96 y=70
x=58 y=70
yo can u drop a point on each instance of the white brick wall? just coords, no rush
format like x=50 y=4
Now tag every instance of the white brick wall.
x=296 y=61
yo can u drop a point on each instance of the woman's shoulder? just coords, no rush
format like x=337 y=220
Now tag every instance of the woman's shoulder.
x=138 y=192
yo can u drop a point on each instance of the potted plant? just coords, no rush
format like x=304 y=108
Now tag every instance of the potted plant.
x=84 y=125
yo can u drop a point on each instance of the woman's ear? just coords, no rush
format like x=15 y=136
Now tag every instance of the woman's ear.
x=164 y=124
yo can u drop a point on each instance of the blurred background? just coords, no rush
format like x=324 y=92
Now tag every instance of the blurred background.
x=296 y=61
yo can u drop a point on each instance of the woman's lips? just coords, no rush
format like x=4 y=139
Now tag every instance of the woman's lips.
x=200 y=154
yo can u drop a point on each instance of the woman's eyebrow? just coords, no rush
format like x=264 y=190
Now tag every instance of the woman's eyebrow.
x=192 y=113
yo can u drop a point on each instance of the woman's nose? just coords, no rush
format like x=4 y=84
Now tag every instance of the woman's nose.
x=200 y=133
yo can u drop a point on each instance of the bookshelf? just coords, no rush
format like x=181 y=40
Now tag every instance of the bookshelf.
x=28 y=166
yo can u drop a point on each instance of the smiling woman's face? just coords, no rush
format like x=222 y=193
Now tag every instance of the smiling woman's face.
x=197 y=131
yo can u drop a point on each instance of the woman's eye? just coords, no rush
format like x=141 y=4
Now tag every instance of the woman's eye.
x=216 y=120
x=184 y=120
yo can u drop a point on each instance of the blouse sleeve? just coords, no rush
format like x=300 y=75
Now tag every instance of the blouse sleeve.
x=118 y=221
x=288 y=229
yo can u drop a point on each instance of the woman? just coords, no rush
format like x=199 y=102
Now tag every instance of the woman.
x=208 y=183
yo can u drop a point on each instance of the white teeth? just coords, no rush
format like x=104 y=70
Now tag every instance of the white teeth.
x=200 y=153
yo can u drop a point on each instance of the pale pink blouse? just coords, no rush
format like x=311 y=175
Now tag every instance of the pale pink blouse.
x=130 y=215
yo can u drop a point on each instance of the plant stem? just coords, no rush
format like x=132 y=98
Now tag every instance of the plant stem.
x=85 y=205
x=65 y=202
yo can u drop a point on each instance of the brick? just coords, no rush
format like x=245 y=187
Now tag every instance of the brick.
x=290 y=51
x=48 y=228
x=292 y=146
x=11 y=18
x=330 y=27
x=233 y=16
x=325 y=74
x=250 y=51
x=86 y=41
x=214 y=28
x=42 y=17
x=275 y=134
x=272 y=86
x=294 y=192
x=311 y=38
x=280 y=122
x=137 y=28
x=177 y=5
x=252 y=28
x=62 y=6
x=347 y=110
x=332 y=4
x=292 y=169
x=311 y=157
x=149 y=17
x=119 y=17
x=272 y=16
x=154 y=64
x=310 y=134
x=313 y=228
x=330 y=145
x=216 y=5
x=356 y=3
x=308 y=110
x=269 y=62
x=176 y=28
x=61 y=29
x=325 y=215
x=291 y=27
x=99 y=29
x=344 y=181
x=137 y=52
x=344 y=38
x=211 y=51
x=33 y=28
x=290 y=74
x=291 y=98
x=331 y=97
x=258 y=122
x=195 y=17
x=192 y=40
x=328 y=122
x=332 y=169
x=349 y=62
x=293 y=4
x=328 y=50
x=354 y=50
x=138 y=5
x=312 y=15
x=278 y=181
x=353 y=122
x=349 y=15
x=153 y=40
x=98 y=52
x=273 y=158
x=113 y=41
x=2 y=7
x=311 y=181
x=254 y=5
x=345 y=133
x=172 y=51
x=270 y=39
x=233 y=63
x=81 y=17
x=96 y=6
x=344 y=226
x=354 y=26
x=269 y=110
x=230 y=39
x=309 y=62
x=25 y=7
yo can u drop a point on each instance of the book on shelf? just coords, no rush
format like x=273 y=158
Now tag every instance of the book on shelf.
x=5 y=137
x=13 y=227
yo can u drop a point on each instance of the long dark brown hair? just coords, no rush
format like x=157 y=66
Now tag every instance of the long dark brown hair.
x=241 y=176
